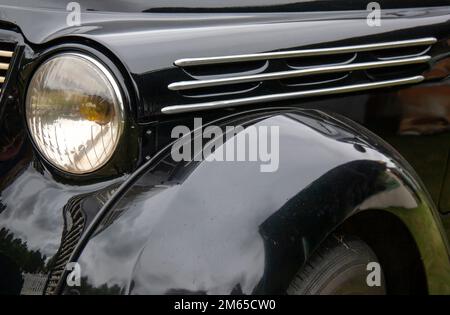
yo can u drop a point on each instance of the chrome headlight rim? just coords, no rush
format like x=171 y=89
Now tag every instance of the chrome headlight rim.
x=110 y=73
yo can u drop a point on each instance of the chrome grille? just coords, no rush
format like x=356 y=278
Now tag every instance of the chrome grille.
x=363 y=64
x=6 y=55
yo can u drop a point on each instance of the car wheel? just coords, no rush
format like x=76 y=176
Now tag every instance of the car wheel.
x=339 y=267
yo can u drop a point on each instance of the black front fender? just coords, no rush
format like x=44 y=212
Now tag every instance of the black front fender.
x=226 y=227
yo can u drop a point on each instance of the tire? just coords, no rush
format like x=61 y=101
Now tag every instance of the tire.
x=338 y=267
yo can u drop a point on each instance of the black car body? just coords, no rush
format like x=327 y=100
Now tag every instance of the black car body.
x=145 y=224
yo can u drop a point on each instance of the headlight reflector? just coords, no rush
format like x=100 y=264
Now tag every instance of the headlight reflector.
x=74 y=112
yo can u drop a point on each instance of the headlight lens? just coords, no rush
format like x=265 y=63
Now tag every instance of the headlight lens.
x=75 y=112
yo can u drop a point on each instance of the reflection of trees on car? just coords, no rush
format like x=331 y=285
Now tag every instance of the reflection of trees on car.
x=31 y=261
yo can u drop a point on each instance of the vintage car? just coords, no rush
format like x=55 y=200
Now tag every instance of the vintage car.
x=92 y=200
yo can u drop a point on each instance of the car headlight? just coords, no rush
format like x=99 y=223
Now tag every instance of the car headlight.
x=74 y=111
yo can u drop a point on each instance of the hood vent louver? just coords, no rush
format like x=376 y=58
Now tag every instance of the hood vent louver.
x=299 y=73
